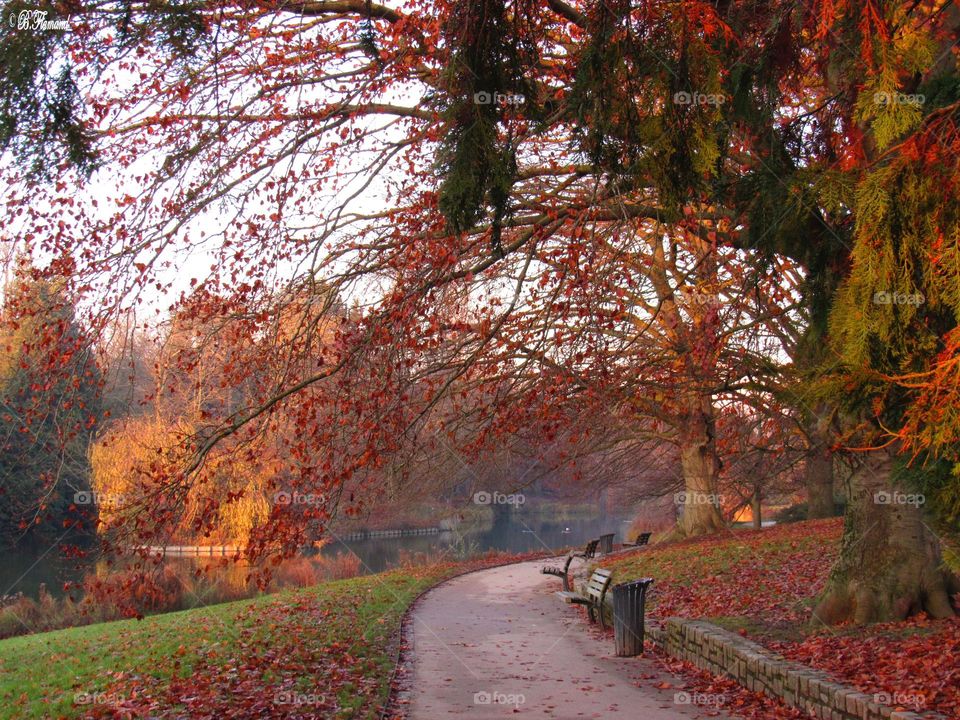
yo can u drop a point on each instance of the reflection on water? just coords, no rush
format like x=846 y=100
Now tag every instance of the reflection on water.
x=25 y=570
x=510 y=532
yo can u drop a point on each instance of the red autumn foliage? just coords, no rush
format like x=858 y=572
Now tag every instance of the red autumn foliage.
x=766 y=580
x=767 y=574
x=912 y=663
x=735 y=699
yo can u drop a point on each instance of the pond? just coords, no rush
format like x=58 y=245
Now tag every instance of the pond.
x=24 y=570
x=517 y=532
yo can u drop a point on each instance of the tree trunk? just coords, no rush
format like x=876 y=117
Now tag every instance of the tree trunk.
x=755 y=509
x=818 y=469
x=700 y=463
x=890 y=565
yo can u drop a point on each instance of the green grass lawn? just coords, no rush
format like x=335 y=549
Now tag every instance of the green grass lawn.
x=327 y=650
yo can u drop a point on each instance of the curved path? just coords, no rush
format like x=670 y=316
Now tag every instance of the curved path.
x=498 y=643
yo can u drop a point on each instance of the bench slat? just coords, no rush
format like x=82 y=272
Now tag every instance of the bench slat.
x=596 y=588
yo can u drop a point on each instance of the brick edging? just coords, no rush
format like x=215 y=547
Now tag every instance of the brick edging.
x=722 y=652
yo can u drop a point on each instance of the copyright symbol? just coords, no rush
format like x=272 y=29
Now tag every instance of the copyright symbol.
x=13 y=20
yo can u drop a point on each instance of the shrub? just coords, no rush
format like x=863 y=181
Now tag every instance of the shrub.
x=168 y=587
x=296 y=572
x=340 y=566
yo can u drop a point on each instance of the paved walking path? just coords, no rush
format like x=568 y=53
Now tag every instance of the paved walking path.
x=498 y=643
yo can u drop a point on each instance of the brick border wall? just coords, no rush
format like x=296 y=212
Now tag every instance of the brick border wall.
x=721 y=652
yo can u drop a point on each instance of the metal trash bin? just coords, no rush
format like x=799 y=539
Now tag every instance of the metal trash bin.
x=628 y=605
x=606 y=543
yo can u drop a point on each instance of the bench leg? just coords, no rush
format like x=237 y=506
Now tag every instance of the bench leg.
x=566 y=573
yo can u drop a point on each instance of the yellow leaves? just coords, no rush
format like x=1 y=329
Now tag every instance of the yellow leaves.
x=890 y=112
x=873 y=200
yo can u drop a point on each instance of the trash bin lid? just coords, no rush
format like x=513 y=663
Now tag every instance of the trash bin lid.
x=641 y=583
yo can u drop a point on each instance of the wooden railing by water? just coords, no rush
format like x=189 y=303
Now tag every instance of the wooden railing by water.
x=230 y=550
x=191 y=550
x=367 y=534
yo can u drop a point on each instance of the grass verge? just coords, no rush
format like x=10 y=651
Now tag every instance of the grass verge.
x=324 y=651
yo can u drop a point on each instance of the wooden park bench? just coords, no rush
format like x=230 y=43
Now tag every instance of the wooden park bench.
x=642 y=539
x=589 y=550
x=596 y=590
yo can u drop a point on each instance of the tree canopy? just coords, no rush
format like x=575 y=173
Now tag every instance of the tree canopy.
x=523 y=215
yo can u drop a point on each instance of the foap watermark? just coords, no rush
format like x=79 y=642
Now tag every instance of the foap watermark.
x=899 y=98
x=693 y=297
x=915 y=701
x=498 y=98
x=498 y=698
x=36 y=21
x=699 y=698
x=698 y=98
x=298 y=498
x=885 y=297
x=498 y=498
x=97 y=698
x=895 y=497
x=103 y=500
x=290 y=697
x=698 y=498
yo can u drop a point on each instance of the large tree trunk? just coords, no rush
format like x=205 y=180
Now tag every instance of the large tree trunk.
x=701 y=467
x=890 y=565
x=818 y=469
x=756 y=508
